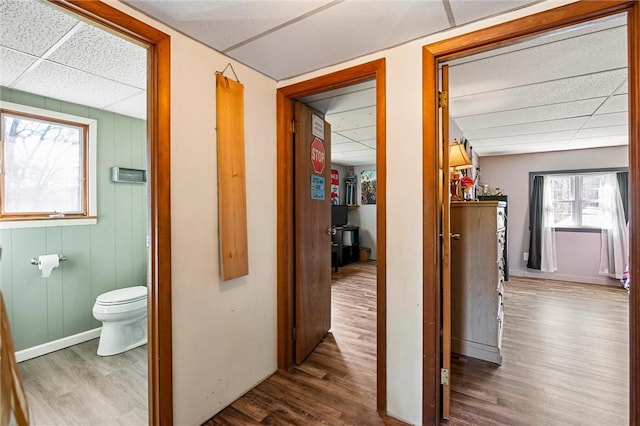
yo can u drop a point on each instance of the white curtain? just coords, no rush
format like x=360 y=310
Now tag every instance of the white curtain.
x=614 y=251
x=548 y=237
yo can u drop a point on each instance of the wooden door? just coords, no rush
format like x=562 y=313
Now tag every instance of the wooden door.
x=445 y=231
x=312 y=170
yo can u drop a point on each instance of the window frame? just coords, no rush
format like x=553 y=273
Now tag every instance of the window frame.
x=577 y=199
x=89 y=159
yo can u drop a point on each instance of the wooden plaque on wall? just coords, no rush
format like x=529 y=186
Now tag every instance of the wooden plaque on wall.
x=232 y=198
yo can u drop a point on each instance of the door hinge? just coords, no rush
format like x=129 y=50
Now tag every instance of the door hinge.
x=293 y=126
x=295 y=333
x=444 y=376
x=443 y=99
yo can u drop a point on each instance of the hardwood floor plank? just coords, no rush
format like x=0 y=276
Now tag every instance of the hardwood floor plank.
x=565 y=362
x=336 y=385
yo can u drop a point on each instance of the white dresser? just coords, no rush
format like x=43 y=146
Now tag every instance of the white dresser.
x=477 y=279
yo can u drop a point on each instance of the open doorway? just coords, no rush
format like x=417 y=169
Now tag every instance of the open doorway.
x=286 y=278
x=483 y=40
x=573 y=132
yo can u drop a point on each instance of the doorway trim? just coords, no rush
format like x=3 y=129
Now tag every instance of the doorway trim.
x=159 y=352
x=285 y=207
x=482 y=40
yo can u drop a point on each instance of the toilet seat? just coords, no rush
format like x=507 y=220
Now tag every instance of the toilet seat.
x=122 y=296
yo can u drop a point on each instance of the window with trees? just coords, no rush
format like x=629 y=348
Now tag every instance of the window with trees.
x=45 y=165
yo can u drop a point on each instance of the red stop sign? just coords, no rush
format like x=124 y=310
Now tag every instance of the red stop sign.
x=317 y=155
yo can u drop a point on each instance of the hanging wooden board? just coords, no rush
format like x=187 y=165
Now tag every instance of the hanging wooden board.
x=232 y=197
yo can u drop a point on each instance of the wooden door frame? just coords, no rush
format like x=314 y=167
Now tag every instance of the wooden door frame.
x=285 y=207
x=159 y=352
x=482 y=40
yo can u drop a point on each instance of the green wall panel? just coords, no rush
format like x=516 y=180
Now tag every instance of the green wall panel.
x=101 y=257
x=55 y=319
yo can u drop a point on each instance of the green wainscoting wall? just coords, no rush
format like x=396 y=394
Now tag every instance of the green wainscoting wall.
x=102 y=257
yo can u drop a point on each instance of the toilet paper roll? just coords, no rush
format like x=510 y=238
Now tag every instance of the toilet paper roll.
x=47 y=262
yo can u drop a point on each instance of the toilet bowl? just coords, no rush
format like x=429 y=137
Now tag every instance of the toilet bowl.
x=123 y=313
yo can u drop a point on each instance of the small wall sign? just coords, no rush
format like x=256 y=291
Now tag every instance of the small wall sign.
x=317 y=187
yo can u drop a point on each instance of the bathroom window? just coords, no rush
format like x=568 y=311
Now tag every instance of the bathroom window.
x=46 y=172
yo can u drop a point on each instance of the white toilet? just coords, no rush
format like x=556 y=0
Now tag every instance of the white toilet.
x=123 y=313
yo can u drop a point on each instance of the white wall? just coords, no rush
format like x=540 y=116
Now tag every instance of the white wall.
x=578 y=254
x=365 y=216
x=224 y=333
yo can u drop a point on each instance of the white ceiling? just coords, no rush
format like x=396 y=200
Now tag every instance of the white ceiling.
x=558 y=91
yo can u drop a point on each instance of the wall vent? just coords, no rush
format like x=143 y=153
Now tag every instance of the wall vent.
x=120 y=174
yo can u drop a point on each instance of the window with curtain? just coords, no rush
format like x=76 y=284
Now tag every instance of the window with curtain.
x=578 y=200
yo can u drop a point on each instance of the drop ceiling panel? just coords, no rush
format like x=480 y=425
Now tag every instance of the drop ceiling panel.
x=73 y=86
x=552 y=92
x=12 y=65
x=597 y=25
x=370 y=143
x=522 y=149
x=586 y=143
x=349 y=147
x=134 y=106
x=618 y=103
x=526 y=129
x=16 y=16
x=354 y=88
x=222 y=24
x=467 y=11
x=320 y=40
x=624 y=88
x=357 y=118
x=360 y=134
x=345 y=102
x=525 y=139
x=602 y=132
x=559 y=111
x=561 y=60
x=604 y=120
x=118 y=60
x=337 y=139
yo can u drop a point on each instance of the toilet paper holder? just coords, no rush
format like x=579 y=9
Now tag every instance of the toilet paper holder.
x=35 y=261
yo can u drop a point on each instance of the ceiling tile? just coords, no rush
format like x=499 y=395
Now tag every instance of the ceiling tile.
x=552 y=92
x=360 y=134
x=561 y=60
x=12 y=65
x=344 y=102
x=585 y=143
x=134 y=106
x=17 y=15
x=223 y=24
x=73 y=86
x=530 y=115
x=601 y=132
x=337 y=138
x=319 y=40
x=618 y=103
x=119 y=59
x=370 y=143
x=604 y=120
x=348 y=120
x=525 y=139
x=596 y=25
x=349 y=147
x=522 y=149
x=526 y=129
x=624 y=88
x=352 y=89
x=465 y=11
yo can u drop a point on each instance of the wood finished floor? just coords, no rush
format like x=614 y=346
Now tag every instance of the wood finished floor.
x=74 y=386
x=565 y=360
x=336 y=385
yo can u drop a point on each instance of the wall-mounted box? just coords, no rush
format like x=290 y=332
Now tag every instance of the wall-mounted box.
x=121 y=174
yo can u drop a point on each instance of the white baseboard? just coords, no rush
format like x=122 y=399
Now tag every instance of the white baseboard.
x=602 y=280
x=56 y=345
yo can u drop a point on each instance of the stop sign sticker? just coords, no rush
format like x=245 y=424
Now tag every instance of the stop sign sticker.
x=317 y=155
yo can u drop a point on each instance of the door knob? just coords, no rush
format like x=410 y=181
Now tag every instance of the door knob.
x=455 y=236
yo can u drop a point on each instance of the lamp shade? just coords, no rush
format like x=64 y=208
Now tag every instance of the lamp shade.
x=458 y=158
